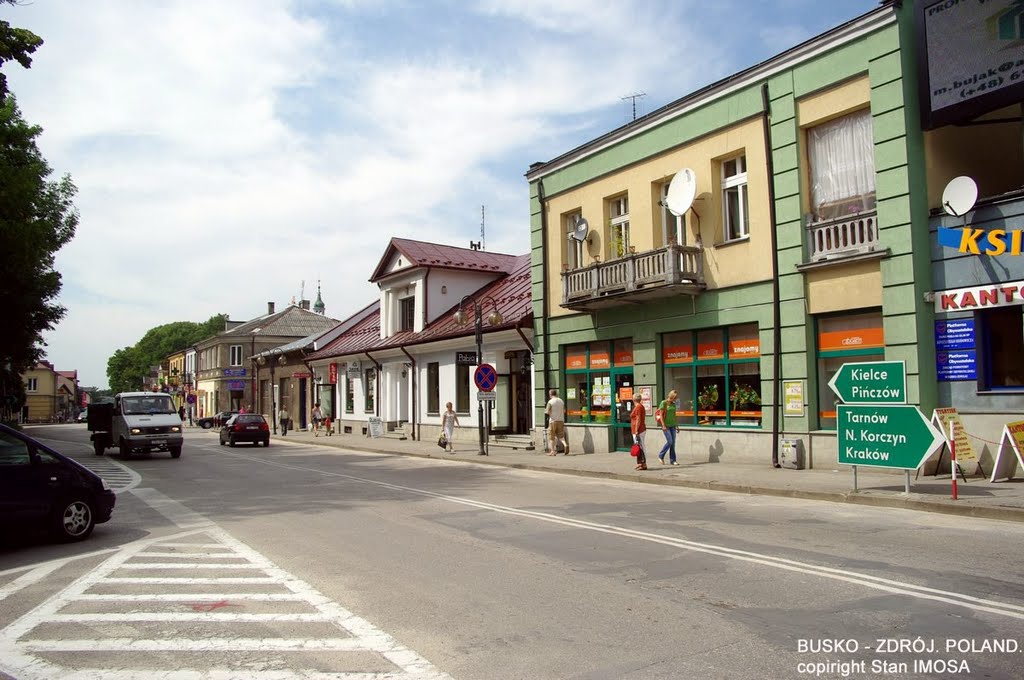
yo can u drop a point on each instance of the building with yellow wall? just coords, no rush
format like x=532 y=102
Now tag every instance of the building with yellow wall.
x=800 y=251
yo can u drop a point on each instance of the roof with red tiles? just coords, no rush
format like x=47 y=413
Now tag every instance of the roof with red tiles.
x=511 y=295
x=423 y=254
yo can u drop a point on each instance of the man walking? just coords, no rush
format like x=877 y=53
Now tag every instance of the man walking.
x=282 y=417
x=555 y=411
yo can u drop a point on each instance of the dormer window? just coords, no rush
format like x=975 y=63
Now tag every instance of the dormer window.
x=407 y=314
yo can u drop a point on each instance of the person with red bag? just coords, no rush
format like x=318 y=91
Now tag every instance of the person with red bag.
x=638 y=425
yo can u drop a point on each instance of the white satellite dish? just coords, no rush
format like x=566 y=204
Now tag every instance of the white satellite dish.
x=959 y=196
x=681 y=192
x=580 y=230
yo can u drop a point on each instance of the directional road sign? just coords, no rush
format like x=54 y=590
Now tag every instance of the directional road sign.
x=871 y=382
x=885 y=436
x=485 y=377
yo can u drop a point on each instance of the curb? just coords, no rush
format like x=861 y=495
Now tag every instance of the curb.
x=866 y=498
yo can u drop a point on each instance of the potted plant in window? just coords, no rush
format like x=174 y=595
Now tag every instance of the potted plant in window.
x=744 y=398
x=707 y=400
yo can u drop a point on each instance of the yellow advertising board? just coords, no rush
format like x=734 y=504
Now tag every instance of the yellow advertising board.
x=942 y=418
x=1010 y=453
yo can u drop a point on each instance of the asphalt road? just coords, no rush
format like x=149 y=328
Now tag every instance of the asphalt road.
x=386 y=566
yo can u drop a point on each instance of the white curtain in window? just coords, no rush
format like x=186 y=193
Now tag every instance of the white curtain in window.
x=841 y=154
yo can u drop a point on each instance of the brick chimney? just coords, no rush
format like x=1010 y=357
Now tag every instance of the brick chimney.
x=270 y=308
x=304 y=304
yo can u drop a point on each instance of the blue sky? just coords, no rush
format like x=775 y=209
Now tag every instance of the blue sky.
x=227 y=151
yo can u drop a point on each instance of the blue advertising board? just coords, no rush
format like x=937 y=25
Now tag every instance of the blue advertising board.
x=234 y=372
x=236 y=384
x=957 y=365
x=954 y=334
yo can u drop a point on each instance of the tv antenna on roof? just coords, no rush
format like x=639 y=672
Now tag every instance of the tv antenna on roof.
x=633 y=97
x=483 y=239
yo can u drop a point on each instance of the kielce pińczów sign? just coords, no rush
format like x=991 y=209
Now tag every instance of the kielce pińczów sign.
x=875 y=426
x=871 y=382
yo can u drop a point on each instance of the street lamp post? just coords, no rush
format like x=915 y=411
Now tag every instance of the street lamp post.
x=494 y=318
x=262 y=361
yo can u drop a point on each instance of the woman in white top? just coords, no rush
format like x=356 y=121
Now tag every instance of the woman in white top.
x=449 y=419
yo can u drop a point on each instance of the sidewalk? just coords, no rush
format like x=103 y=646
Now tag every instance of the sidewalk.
x=977 y=497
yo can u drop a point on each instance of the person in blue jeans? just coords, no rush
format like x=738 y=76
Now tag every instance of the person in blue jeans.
x=668 y=424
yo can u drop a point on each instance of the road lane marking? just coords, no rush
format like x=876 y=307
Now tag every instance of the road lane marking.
x=178 y=617
x=154 y=566
x=171 y=509
x=230 y=580
x=198 y=645
x=32 y=577
x=58 y=562
x=864 y=580
x=27 y=657
x=187 y=597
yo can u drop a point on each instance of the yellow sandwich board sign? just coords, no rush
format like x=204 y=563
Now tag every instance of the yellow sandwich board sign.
x=942 y=418
x=1010 y=453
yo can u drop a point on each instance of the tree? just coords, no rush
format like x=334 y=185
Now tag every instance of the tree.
x=16 y=44
x=37 y=217
x=129 y=365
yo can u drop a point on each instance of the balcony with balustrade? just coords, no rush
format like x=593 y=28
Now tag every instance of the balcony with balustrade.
x=853 y=236
x=635 y=277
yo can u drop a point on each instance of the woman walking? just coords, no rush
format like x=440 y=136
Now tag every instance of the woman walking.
x=449 y=419
x=317 y=417
x=638 y=426
x=666 y=417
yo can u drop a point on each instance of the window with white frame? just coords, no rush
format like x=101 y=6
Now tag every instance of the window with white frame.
x=407 y=313
x=236 y=355
x=734 y=198
x=841 y=156
x=673 y=227
x=618 y=212
x=33 y=385
x=573 y=248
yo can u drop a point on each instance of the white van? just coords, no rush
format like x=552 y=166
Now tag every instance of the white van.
x=136 y=422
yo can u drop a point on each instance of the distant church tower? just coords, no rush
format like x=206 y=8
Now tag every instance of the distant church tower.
x=318 y=306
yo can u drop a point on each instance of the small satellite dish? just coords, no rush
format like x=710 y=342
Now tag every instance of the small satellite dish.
x=580 y=230
x=959 y=196
x=681 y=192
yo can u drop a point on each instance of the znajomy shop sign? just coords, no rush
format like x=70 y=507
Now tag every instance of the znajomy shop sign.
x=980 y=297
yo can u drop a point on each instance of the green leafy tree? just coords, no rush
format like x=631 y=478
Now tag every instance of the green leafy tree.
x=37 y=218
x=128 y=366
x=16 y=44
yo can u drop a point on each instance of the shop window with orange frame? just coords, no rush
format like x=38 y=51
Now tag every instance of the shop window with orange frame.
x=717 y=374
x=588 y=367
x=844 y=339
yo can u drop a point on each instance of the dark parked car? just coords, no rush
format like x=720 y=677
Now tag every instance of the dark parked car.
x=245 y=427
x=43 y=489
x=216 y=420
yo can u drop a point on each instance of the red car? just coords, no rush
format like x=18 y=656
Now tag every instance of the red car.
x=245 y=427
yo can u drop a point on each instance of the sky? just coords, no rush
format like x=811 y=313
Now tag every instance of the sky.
x=232 y=153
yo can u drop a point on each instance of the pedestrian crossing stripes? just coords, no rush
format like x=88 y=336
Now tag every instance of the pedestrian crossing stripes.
x=111 y=623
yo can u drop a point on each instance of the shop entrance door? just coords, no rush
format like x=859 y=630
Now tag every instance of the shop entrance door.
x=622 y=436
